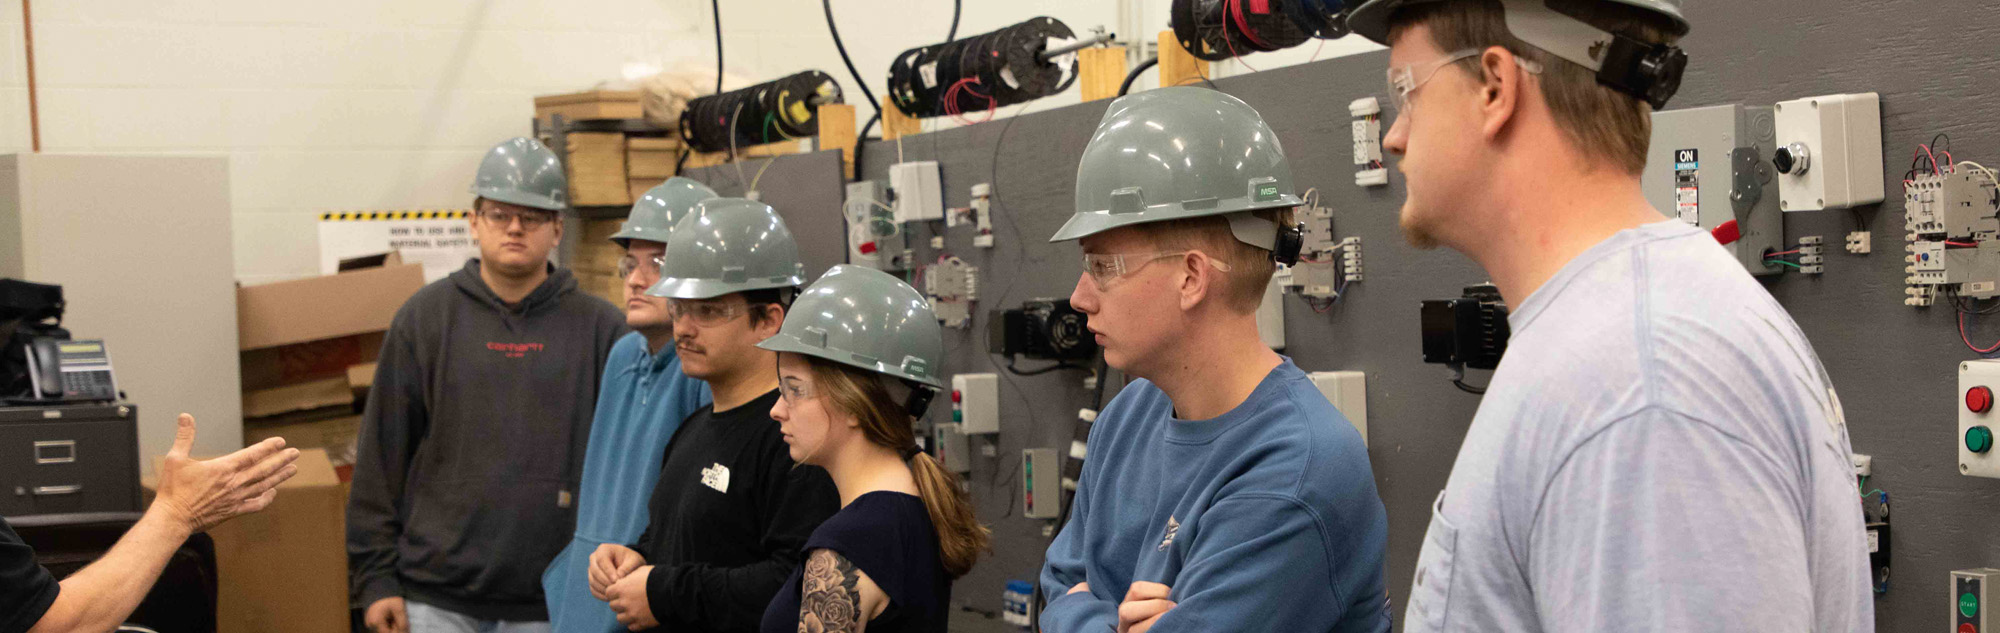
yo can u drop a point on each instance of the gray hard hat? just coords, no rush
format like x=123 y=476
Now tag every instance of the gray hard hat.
x=654 y=215
x=865 y=318
x=1371 y=19
x=522 y=171
x=1177 y=153
x=727 y=245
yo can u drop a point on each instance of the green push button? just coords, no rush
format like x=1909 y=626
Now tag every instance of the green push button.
x=1968 y=605
x=1978 y=439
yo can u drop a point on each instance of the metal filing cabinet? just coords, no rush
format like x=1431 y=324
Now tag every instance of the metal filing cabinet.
x=69 y=459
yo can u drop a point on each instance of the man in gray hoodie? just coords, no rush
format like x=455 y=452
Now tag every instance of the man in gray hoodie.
x=466 y=471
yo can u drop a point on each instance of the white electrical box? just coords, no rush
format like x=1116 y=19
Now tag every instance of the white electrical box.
x=917 y=191
x=1829 y=153
x=953 y=449
x=1968 y=598
x=1348 y=391
x=1977 y=422
x=1271 y=315
x=975 y=403
x=1041 y=483
x=1368 y=168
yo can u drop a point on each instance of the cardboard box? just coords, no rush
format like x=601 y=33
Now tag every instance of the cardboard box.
x=590 y=105
x=312 y=360
x=597 y=257
x=607 y=287
x=305 y=396
x=597 y=169
x=318 y=308
x=599 y=231
x=285 y=569
x=652 y=158
x=362 y=376
x=332 y=430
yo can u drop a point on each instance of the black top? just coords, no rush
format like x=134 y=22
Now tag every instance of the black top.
x=729 y=515
x=472 y=444
x=889 y=536
x=26 y=589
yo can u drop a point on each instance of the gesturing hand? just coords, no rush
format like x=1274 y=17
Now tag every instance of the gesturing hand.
x=203 y=493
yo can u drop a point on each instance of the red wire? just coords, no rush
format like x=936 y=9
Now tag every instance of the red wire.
x=1790 y=252
x=1239 y=27
x=1948 y=162
x=1934 y=165
x=1952 y=243
x=1968 y=340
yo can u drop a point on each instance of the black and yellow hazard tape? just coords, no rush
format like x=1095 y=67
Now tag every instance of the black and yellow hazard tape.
x=351 y=216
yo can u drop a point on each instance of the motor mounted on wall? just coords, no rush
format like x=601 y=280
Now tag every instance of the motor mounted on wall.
x=1469 y=331
x=776 y=110
x=1043 y=329
x=1215 y=30
x=1015 y=64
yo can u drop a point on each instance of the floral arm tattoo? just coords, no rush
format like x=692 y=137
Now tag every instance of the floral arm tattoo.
x=831 y=601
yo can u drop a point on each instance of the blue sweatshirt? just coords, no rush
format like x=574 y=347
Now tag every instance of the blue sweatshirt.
x=1262 y=519
x=642 y=402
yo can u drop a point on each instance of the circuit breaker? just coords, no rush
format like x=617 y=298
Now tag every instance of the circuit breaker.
x=1041 y=483
x=1708 y=167
x=1348 y=391
x=1829 y=152
x=1952 y=234
x=1977 y=421
x=1968 y=598
x=952 y=285
x=953 y=449
x=874 y=238
x=918 y=193
x=975 y=403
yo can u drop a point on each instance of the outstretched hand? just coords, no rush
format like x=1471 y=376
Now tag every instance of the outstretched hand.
x=204 y=493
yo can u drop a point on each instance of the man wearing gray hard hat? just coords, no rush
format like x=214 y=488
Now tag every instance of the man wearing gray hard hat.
x=730 y=511
x=465 y=475
x=1223 y=492
x=1659 y=450
x=641 y=403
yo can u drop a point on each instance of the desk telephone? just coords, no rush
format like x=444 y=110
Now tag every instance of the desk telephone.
x=70 y=371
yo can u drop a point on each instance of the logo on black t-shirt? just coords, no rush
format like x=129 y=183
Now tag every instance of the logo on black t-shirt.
x=717 y=477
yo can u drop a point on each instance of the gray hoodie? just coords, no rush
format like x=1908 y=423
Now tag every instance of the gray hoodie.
x=467 y=466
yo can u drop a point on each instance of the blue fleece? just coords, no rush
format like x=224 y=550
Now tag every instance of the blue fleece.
x=643 y=401
x=1262 y=519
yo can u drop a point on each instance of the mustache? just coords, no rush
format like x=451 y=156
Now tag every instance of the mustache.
x=690 y=347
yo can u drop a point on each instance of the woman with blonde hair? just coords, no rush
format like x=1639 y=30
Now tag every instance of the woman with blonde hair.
x=858 y=361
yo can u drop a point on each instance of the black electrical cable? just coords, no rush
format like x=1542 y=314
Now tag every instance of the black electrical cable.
x=1460 y=383
x=957 y=6
x=715 y=6
x=1134 y=75
x=1037 y=372
x=833 y=30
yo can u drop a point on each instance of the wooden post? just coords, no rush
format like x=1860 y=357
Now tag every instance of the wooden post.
x=1100 y=71
x=896 y=124
x=836 y=131
x=1178 y=67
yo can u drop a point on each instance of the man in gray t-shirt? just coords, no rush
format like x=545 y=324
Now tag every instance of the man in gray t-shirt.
x=1660 y=449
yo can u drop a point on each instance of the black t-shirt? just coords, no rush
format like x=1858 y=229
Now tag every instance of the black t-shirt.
x=26 y=588
x=889 y=536
x=729 y=515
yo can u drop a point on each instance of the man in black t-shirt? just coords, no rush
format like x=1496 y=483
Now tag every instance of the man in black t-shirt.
x=731 y=511
x=194 y=495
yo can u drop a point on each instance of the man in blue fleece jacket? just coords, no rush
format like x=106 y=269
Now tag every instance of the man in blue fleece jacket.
x=1223 y=492
x=642 y=401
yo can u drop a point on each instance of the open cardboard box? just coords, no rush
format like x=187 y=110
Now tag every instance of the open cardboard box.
x=285 y=569
x=306 y=343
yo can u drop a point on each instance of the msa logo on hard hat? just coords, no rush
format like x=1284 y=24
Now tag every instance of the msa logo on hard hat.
x=1267 y=192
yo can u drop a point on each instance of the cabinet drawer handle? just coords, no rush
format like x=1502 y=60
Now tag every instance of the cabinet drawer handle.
x=55 y=452
x=58 y=490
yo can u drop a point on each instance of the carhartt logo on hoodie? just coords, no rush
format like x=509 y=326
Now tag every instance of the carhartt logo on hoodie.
x=514 y=350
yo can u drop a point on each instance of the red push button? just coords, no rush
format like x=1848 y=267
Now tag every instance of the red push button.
x=956 y=396
x=1979 y=399
x=1967 y=628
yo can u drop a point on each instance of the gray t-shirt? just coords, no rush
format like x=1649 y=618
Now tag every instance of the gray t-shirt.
x=1659 y=450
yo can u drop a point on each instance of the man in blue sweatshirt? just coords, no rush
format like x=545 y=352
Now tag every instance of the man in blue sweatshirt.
x=1223 y=492
x=466 y=469
x=641 y=403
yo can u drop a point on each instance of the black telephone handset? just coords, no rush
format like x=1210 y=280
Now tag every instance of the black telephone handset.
x=46 y=373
